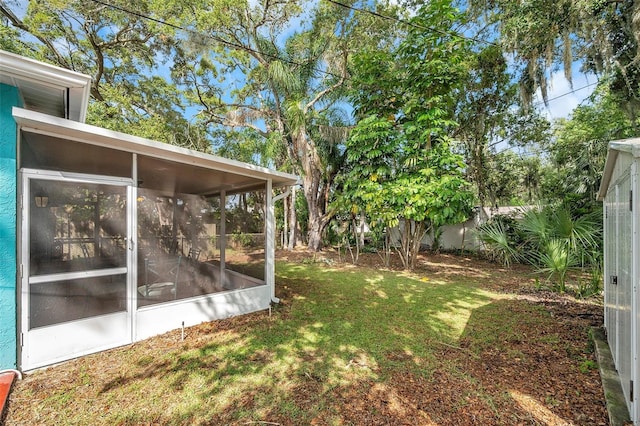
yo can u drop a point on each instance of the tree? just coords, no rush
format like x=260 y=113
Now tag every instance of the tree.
x=483 y=108
x=579 y=149
x=120 y=50
x=289 y=85
x=502 y=179
x=543 y=34
x=400 y=168
x=10 y=38
x=417 y=193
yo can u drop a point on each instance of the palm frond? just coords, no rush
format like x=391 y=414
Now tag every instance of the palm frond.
x=535 y=224
x=496 y=241
x=556 y=258
x=284 y=76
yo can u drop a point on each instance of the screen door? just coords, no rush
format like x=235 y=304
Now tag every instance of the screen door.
x=75 y=265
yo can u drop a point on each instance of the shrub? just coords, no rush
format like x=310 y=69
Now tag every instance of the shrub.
x=241 y=239
x=497 y=243
x=550 y=239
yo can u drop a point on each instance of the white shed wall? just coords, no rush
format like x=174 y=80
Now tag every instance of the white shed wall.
x=619 y=274
x=611 y=267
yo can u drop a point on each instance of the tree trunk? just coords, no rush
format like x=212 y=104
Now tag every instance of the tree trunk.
x=411 y=236
x=312 y=186
x=314 y=241
x=354 y=225
x=317 y=218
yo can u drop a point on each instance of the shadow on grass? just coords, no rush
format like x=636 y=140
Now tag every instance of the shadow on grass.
x=354 y=346
x=333 y=331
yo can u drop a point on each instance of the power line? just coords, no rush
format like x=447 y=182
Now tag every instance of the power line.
x=565 y=94
x=215 y=38
x=291 y=62
x=492 y=144
x=410 y=24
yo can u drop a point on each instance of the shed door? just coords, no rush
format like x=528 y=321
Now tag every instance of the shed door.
x=76 y=266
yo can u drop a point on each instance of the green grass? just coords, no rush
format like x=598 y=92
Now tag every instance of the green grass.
x=346 y=313
x=335 y=331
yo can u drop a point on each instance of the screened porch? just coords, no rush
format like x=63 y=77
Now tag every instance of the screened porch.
x=77 y=227
x=122 y=230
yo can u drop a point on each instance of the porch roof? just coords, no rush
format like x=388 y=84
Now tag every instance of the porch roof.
x=163 y=166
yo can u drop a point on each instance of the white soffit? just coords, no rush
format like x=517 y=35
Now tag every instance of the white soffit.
x=35 y=122
x=46 y=87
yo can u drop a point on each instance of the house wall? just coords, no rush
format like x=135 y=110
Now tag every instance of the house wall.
x=9 y=97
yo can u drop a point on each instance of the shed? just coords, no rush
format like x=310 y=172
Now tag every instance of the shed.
x=619 y=190
x=109 y=238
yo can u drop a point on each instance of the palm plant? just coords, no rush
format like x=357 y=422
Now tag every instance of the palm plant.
x=497 y=242
x=560 y=241
x=555 y=258
x=547 y=237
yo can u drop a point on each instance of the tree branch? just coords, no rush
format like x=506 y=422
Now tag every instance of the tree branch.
x=329 y=89
x=95 y=84
x=16 y=22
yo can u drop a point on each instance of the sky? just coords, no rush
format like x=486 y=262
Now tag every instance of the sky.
x=563 y=99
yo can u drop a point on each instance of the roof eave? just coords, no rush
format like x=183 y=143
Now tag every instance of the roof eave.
x=609 y=165
x=631 y=146
x=45 y=124
x=25 y=69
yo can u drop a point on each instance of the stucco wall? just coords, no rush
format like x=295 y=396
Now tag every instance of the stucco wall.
x=9 y=97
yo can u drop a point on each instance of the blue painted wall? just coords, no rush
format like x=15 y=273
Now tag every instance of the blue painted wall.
x=9 y=98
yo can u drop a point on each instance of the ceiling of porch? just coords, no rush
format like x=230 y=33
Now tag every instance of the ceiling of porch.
x=52 y=143
x=50 y=153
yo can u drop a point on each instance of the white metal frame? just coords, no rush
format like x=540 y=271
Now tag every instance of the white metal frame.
x=45 y=336
x=635 y=269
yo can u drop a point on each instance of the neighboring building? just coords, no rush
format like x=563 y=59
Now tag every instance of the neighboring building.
x=109 y=238
x=619 y=190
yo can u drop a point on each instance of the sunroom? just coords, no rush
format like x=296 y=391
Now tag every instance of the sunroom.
x=121 y=238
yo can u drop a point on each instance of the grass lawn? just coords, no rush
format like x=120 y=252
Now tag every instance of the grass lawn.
x=458 y=342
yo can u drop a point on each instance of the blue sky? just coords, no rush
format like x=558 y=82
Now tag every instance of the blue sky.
x=558 y=107
x=562 y=100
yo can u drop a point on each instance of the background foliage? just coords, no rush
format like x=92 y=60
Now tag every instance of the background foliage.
x=370 y=103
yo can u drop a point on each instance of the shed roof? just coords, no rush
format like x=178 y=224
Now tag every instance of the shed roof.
x=631 y=146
